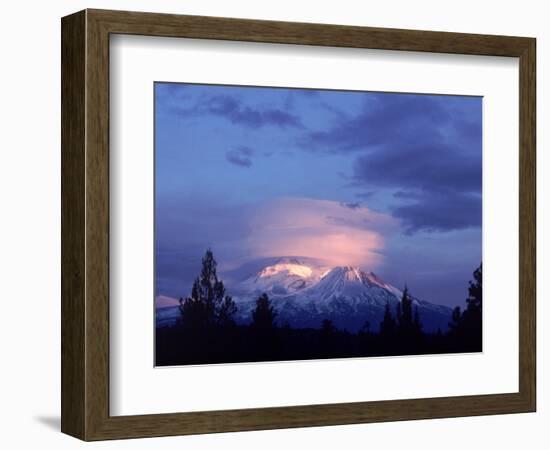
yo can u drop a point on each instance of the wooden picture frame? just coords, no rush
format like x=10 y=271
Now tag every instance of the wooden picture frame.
x=85 y=224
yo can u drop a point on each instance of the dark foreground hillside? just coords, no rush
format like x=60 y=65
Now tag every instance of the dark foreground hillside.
x=178 y=346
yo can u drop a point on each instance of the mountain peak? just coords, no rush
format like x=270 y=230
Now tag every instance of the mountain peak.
x=307 y=279
x=346 y=273
x=281 y=277
x=305 y=291
x=288 y=267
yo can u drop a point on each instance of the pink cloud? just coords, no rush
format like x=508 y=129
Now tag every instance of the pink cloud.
x=322 y=229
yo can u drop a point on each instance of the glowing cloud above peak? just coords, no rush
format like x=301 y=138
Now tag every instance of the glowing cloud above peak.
x=321 y=229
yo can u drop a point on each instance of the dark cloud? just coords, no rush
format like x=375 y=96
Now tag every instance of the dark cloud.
x=423 y=148
x=240 y=156
x=232 y=109
x=385 y=117
x=424 y=167
x=446 y=212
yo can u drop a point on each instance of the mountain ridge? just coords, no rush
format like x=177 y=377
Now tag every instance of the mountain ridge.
x=304 y=294
x=306 y=291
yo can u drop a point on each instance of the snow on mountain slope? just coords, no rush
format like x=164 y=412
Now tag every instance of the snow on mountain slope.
x=305 y=293
x=286 y=276
x=351 y=283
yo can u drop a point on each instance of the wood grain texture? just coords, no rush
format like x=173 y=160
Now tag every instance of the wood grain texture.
x=152 y=24
x=527 y=223
x=73 y=226
x=85 y=224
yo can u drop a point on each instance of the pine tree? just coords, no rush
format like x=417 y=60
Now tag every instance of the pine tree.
x=208 y=304
x=387 y=326
x=475 y=291
x=265 y=335
x=472 y=316
x=466 y=326
x=263 y=316
x=226 y=312
x=406 y=309
x=398 y=313
x=405 y=320
x=454 y=324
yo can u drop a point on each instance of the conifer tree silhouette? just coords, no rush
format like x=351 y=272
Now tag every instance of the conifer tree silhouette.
x=263 y=316
x=471 y=320
x=405 y=324
x=387 y=326
x=208 y=305
x=465 y=328
x=454 y=324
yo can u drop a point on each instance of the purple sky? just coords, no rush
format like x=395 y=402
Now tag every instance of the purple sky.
x=387 y=182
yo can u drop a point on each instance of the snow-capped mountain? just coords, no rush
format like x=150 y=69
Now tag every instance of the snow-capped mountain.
x=305 y=292
x=283 y=277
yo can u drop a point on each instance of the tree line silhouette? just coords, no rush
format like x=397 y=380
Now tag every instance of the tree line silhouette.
x=206 y=331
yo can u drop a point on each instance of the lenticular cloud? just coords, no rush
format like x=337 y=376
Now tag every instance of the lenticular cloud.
x=319 y=229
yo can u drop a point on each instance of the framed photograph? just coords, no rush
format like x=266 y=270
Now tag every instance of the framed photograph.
x=271 y=224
